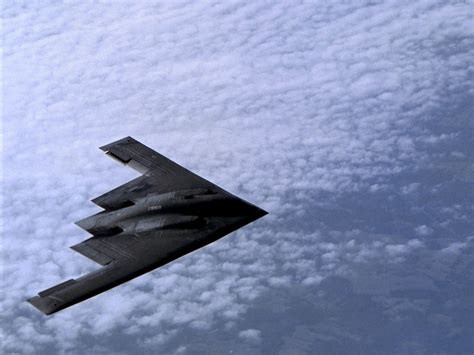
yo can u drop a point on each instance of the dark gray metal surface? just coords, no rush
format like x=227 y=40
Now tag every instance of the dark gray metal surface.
x=154 y=219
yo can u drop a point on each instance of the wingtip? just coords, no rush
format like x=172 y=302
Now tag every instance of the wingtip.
x=123 y=140
x=45 y=305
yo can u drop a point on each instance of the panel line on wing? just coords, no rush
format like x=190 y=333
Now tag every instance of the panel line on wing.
x=152 y=164
x=117 y=250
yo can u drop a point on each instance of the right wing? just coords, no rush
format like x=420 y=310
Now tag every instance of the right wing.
x=149 y=251
x=160 y=174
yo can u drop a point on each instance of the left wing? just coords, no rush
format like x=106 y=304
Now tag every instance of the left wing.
x=160 y=174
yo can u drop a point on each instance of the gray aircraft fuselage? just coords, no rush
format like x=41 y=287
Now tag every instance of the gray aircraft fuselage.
x=180 y=210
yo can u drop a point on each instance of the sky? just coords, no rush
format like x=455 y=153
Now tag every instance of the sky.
x=350 y=122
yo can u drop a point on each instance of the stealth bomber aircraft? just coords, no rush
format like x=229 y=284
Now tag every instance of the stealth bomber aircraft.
x=158 y=217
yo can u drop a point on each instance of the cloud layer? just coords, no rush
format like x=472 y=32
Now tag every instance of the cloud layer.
x=340 y=120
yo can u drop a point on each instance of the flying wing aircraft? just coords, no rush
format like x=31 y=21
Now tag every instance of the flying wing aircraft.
x=158 y=217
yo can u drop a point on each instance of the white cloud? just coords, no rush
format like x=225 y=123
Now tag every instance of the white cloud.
x=410 y=188
x=252 y=335
x=423 y=230
x=455 y=247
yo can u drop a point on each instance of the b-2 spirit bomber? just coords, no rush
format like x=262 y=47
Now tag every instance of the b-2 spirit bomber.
x=149 y=221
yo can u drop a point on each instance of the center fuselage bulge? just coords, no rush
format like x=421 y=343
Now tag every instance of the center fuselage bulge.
x=186 y=209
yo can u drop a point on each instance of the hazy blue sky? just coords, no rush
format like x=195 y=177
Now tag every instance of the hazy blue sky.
x=351 y=122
